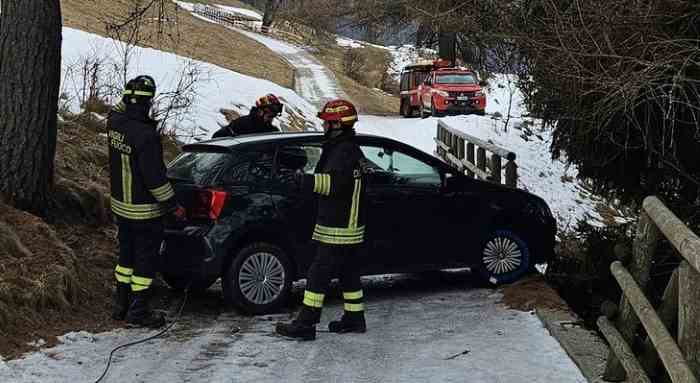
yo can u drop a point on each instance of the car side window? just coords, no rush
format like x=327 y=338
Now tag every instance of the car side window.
x=261 y=166
x=238 y=173
x=400 y=168
x=291 y=158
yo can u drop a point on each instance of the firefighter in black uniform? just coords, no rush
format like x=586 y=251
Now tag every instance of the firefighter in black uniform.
x=339 y=231
x=259 y=120
x=140 y=197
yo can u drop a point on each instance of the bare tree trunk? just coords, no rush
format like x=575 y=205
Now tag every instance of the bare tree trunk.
x=270 y=10
x=30 y=70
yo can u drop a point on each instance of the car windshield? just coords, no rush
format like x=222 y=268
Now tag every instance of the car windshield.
x=455 y=78
x=195 y=167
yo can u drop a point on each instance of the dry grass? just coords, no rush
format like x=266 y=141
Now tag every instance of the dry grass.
x=368 y=100
x=64 y=268
x=530 y=293
x=195 y=38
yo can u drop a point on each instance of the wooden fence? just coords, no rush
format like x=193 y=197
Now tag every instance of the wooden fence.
x=457 y=148
x=678 y=313
x=231 y=19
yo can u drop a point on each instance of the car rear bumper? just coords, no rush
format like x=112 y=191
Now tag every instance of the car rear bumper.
x=190 y=253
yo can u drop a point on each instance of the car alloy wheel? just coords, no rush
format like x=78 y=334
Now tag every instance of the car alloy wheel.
x=261 y=278
x=504 y=257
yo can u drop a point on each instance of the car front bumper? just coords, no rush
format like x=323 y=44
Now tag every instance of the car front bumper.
x=460 y=107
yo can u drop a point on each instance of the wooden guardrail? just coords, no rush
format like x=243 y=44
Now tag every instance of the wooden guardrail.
x=680 y=304
x=224 y=17
x=457 y=147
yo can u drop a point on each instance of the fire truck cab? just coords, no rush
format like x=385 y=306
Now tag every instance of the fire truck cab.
x=435 y=88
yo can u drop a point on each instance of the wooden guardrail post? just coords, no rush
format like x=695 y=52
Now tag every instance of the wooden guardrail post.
x=511 y=174
x=668 y=313
x=627 y=322
x=481 y=158
x=687 y=244
x=441 y=138
x=496 y=168
x=669 y=351
x=689 y=315
x=460 y=148
x=470 y=157
x=624 y=353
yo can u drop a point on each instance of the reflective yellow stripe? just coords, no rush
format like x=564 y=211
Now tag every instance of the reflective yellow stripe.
x=122 y=278
x=138 y=93
x=355 y=208
x=312 y=299
x=353 y=294
x=140 y=283
x=126 y=178
x=333 y=240
x=136 y=211
x=163 y=193
x=337 y=109
x=354 y=307
x=349 y=118
x=322 y=184
x=339 y=231
x=124 y=270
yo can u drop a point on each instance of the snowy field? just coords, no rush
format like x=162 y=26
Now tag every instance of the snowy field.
x=218 y=87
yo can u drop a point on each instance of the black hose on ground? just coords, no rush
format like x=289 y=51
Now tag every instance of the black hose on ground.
x=177 y=317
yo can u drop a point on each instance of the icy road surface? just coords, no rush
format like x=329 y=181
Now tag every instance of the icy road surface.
x=436 y=328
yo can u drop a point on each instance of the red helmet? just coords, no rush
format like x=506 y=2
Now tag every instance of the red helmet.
x=339 y=110
x=269 y=101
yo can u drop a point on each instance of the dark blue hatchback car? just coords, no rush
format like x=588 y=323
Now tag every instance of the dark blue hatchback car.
x=247 y=227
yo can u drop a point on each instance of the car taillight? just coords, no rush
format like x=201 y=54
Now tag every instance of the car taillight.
x=208 y=204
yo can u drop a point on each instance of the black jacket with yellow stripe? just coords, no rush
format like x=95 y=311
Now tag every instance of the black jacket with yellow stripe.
x=139 y=187
x=338 y=180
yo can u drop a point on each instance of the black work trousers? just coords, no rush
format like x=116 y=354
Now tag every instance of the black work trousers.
x=139 y=243
x=332 y=261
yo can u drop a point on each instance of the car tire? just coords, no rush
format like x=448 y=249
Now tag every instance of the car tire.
x=259 y=279
x=481 y=112
x=180 y=282
x=504 y=257
x=406 y=109
x=433 y=110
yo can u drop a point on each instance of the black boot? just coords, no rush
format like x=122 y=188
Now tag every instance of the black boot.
x=349 y=323
x=296 y=329
x=122 y=298
x=140 y=314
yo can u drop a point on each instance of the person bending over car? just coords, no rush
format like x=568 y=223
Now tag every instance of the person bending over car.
x=259 y=120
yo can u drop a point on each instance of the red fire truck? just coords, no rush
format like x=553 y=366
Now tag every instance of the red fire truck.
x=436 y=88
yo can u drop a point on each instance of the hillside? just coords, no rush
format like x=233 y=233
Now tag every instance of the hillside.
x=192 y=37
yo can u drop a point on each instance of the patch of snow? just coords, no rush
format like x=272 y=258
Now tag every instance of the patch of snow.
x=219 y=87
x=348 y=43
x=185 y=5
x=37 y=343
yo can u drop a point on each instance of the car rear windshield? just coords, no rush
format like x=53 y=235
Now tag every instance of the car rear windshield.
x=197 y=167
x=455 y=78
